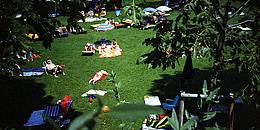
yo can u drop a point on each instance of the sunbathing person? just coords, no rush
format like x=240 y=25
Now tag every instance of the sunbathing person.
x=102 y=48
x=98 y=76
x=54 y=69
x=89 y=48
x=22 y=55
x=115 y=48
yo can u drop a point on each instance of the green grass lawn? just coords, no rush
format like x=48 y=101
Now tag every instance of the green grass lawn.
x=137 y=80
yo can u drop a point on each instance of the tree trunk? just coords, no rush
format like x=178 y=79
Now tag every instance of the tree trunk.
x=218 y=54
x=218 y=60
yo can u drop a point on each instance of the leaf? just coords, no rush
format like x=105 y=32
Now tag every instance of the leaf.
x=187 y=115
x=209 y=115
x=174 y=122
x=212 y=94
x=188 y=124
x=133 y=111
x=118 y=85
x=205 y=88
x=81 y=121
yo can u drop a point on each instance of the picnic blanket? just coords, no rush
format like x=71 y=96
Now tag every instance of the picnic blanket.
x=32 y=71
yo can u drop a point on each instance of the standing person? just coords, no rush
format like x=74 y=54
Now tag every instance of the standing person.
x=47 y=40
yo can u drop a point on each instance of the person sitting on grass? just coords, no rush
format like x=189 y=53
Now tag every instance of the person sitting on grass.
x=54 y=69
x=65 y=104
x=115 y=48
x=102 y=48
x=22 y=55
x=89 y=48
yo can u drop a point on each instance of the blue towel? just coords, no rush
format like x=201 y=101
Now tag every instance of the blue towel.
x=36 y=118
x=33 y=70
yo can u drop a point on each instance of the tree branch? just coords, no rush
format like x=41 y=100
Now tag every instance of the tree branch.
x=242 y=7
x=246 y=21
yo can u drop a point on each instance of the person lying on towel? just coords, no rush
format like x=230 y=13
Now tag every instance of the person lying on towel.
x=98 y=76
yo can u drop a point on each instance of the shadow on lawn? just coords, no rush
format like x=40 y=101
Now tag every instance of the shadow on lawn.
x=170 y=85
x=19 y=97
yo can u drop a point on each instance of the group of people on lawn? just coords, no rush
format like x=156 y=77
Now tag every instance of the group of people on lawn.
x=105 y=49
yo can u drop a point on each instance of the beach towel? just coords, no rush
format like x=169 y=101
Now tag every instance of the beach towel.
x=32 y=71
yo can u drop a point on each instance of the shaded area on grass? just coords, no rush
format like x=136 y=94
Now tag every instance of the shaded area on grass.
x=19 y=97
x=167 y=87
x=170 y=85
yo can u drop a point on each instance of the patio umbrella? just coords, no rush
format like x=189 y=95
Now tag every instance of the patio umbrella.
x=104 y=27
x=150 y=9
x=163 y=8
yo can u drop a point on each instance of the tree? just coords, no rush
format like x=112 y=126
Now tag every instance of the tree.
x=134 y=12
x=16 y=19
x=72 y=8
x=214 y=24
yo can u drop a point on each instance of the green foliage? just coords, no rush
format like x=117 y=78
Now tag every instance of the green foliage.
x=117 y=85
x=133 y=12
x=205 y=88
x=72 y=10
x=192 y=122
x=174 y=122
x=208 y=23
x=208 y=115
x=212 y=94
x=18 y=18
